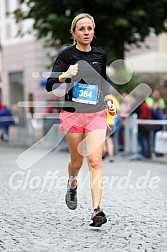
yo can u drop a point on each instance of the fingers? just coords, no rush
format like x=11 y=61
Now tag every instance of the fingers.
x=72 y=70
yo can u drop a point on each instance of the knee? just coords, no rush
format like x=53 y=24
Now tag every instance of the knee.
x=95 y=163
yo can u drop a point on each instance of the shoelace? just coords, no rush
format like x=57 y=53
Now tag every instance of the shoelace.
x=72 y=195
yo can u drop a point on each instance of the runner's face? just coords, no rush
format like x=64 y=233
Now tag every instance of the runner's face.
x=84 y=31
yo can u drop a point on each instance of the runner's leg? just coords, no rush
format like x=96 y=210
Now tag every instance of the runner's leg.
x=73 y=140
x=94 y=147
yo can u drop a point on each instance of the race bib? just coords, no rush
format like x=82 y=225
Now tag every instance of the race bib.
x=85 y=93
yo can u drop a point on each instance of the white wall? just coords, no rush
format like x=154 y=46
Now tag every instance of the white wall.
x=9 y=28
x=25 y=55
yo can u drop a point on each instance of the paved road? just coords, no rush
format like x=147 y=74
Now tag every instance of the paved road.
x=34 y=217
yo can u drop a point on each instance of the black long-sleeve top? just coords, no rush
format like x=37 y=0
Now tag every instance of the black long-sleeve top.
x=91 y=70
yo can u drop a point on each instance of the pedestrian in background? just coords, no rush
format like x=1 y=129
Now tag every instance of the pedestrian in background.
x=157 y=106
x=6 y=120
x=84 y=112
x=111 y=145
x=156 y=98
x=144 y=112
x=1 y=106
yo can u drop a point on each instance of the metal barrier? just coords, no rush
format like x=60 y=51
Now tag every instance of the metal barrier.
x=131 y=132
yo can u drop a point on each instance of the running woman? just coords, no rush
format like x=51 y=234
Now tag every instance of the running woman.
x=83 y=68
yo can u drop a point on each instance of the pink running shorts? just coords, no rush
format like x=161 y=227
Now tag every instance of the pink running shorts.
x=82 y=122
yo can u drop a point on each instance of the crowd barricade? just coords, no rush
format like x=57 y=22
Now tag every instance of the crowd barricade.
x=131 y=134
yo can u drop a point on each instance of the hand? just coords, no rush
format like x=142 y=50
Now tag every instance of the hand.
x=72 y=71
x=111 y=108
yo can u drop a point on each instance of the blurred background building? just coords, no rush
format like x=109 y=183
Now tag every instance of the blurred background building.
x=149 y=62
x=23 y=60
x=150 y=59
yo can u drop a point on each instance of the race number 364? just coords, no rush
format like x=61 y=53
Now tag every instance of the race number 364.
x=85 y=93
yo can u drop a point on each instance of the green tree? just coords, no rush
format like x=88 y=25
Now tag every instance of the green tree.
x=117 y=22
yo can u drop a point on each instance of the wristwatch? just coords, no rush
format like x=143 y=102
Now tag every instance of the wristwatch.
x=108 y=99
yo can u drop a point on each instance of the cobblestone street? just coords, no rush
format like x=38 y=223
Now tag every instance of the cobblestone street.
x=34 y=217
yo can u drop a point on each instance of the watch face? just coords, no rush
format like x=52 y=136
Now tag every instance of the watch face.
x=109 y=100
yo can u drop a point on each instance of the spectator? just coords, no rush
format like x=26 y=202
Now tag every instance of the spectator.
x=1 y=106
x=157 y=105
x=144 y=112
x=6 y=120
x=112 y=141
x=156 y=98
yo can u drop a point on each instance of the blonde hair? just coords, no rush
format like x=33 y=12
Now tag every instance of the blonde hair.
x=77 y=18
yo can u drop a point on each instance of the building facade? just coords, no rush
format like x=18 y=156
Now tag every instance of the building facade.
x=23 y=60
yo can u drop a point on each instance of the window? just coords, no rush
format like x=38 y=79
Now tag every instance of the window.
x=8 y=31
x=16 y=88
x=18 y=5
x=7 y=7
